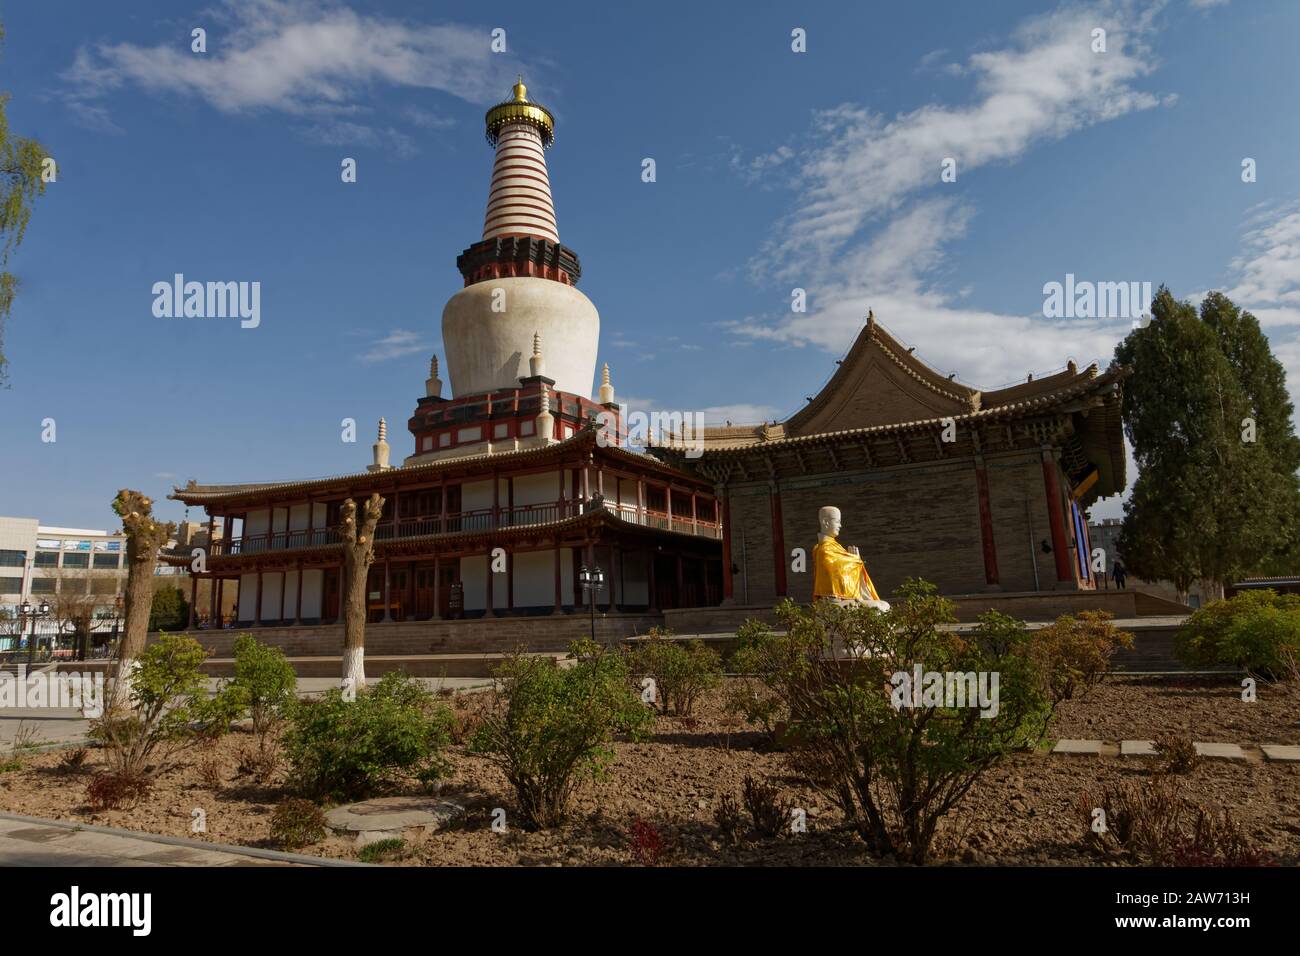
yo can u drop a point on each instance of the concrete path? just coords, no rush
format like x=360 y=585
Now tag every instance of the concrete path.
x=29 y=841
x=1251 y=753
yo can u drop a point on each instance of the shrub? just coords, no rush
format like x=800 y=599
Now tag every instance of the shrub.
x=73 y=759
x=895 y=769
x=1257 y=631
x=115 y=790
x=210 y=772
x=552 y=726
x=1154 y=824
x=727 y=817
x=681 y=672
x=296 y=823
x=1178 y=753
x=767 y=811
x=390 y=848
x=257 y=761
x=748 y=697
x=347 y=749
x=167 y=694
x=1072 y=653
x=264 y=684
x=645 y=842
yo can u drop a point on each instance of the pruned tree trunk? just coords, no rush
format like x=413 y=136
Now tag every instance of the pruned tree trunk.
x=1211 y=590
x=144 y=536
x=358 y=554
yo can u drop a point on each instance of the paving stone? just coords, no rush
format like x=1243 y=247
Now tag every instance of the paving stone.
x=1220 y=751
x=1137 y=748
x=386 y=816
x=1089 y=747
x=1287 y=753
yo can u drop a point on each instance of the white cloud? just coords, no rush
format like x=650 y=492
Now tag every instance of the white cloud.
x=865 y=233
x=1045 y=84
x=294 y=56
x=396 y=344
x=336 y=132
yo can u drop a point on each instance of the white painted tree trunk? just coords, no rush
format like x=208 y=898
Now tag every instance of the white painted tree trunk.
x=354 y=668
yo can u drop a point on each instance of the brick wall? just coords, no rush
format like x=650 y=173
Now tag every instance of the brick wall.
x=907 y=522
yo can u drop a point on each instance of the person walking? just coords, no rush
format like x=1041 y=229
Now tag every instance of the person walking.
x=1119 y=574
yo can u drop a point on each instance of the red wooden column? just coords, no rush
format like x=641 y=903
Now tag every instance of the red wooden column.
x=488 y=610
x=218 y=586
x=194 y=596
x=297 y=604
x=640 y=501
x=986 y=523
x=778 y=542
x=388 y=598
x=1056 y=518
x=668 y=497
x=510 y=580
x=727 y=585
x=410 y=591
x=437 y=587
x=214 y=605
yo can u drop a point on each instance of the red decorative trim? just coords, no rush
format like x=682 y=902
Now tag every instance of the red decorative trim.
x=1057 y=520
x=986 y=525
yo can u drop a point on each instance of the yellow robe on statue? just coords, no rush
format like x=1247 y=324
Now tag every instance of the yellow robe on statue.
x=840 y=573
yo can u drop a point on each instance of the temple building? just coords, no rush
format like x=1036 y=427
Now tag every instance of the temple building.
x=511 y=489
x=976 y=491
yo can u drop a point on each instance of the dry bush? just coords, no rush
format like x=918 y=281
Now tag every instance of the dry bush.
x=645 y=842
x=1152 y=824
x=210 y=772
x=73 y=759
x=766 y=809
x=1178 y=754
x=728 y=818
x=115 y=790
x=258 y=760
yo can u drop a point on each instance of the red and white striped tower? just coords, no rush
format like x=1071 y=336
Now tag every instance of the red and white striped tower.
x=519 y=279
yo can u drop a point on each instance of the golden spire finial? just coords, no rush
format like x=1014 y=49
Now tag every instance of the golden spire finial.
x=521 y=91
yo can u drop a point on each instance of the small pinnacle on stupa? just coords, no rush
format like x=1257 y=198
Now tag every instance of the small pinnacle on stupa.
x=535 y=364
x=606 y=389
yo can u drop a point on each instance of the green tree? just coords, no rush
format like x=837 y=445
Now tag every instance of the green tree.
x=1206 y=501
x=169 y=610
x=21 y=164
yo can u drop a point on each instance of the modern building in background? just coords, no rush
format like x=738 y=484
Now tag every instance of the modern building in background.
x=46 y=563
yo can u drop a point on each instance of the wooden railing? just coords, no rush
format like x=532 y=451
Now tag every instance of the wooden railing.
x=482 y=519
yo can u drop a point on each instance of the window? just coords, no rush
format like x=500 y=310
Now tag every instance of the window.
x=106 y=561
x=12 y=559
x=76 y=560
x=427 y=443
x=526 y=427
x=470 y=434
x=444 y=440
x=103 y=586
x=47 y=559
x=500 y=430
x=43 y=585
x=11 y=585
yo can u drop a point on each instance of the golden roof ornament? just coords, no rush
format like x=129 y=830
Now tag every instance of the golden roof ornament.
x=518 y=109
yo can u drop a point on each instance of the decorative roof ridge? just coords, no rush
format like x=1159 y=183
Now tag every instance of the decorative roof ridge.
x=1081 y=385
x=918 y=368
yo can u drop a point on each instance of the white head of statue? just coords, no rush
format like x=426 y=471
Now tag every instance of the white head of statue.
x=829 y=519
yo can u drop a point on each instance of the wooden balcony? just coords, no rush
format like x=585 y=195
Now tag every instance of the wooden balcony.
x=483 y=519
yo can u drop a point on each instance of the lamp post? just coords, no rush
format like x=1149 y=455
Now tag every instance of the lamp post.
x=592 y=581
x=33 y=613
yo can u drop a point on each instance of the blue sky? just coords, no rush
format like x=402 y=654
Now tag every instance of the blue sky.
x=775 y=169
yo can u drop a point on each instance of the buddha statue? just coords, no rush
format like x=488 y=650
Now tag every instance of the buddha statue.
x=839 y=573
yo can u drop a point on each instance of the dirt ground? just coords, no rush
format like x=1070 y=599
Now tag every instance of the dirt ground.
x=1023 y=811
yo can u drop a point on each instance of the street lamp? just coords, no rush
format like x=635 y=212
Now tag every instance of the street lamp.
x=33 y=613
x=592 y=581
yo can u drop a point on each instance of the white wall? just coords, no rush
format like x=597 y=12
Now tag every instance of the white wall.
x=272 y=589
x=247 y=596
x=257 y=523
x=313 y=588
x=635 y=578
x=541 y=488
x=298 y=517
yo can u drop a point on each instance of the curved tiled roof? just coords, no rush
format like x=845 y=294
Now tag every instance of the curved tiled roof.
x=196 y=494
